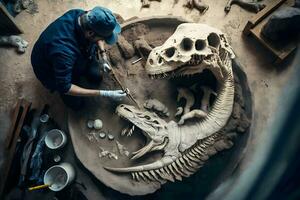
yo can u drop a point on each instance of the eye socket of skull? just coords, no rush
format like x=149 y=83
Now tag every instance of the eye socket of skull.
x=170 y=52
x=160 y=60
x=150 y=61
x=186 y=44
x=213 y=40
x=200 y=45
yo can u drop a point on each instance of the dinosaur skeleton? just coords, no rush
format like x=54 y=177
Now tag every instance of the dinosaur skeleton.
x=190 y=50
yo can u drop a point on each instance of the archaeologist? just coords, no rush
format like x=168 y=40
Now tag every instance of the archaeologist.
x=66 y=51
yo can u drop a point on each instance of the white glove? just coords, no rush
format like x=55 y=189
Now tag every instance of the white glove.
x=116 y=95
x=106 y=67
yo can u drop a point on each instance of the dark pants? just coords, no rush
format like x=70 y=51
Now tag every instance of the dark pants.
x=91 y=73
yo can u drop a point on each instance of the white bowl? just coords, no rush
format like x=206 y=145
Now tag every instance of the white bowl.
x=59 y=176
x=55 y=139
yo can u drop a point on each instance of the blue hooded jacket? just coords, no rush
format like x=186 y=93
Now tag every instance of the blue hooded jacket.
x=60 y=51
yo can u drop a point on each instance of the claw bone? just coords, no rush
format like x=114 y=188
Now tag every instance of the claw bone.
x=207 y=92
x=188 y=95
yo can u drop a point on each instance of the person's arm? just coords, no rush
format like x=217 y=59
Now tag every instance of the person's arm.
x=76 y=90
x=102 y=50
x=105 y=64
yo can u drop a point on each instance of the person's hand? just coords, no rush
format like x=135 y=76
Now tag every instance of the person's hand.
x=116 y=95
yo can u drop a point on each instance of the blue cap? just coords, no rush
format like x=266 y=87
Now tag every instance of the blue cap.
x=103 y=23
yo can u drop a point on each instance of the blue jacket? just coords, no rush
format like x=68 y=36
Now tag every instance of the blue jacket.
x=59 y=51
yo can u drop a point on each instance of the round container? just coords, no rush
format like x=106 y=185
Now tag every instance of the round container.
x=55 y=139
x=59 y=176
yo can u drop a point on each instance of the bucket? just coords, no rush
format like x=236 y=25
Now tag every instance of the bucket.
x=59 y=176
x=55 y=139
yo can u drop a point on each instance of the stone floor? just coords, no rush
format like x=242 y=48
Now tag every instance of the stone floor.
x=265 y=79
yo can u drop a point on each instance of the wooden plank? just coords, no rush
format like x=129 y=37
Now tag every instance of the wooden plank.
x=262 y=15
x=20 y=112
x=7 y=23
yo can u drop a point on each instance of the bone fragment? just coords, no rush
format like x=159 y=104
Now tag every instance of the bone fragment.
x=193 y=114
x=108 y=154
x=142 y=47
x=179 y=111
x=250 y=6
x=188 y=96
x=207 y=92
x=15 y=41
x=157 y=106
x=122 y=149
x=200 y=6
x=126 y=48
x=146 y=3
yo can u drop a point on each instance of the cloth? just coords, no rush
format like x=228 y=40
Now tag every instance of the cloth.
x=62 y=54
x=37 y=161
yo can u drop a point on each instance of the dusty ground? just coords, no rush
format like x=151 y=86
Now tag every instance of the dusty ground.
x=266 y=80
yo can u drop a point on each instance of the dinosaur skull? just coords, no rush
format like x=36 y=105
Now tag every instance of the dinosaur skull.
x=191 y=49
x=149 y=123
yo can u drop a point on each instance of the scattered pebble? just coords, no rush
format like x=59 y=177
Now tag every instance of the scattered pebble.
x=57 y=158
x=98 y=124
x=110 y=136
x=90 y=124
x=102 y=135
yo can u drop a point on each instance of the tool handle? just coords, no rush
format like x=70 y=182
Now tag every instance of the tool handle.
x=39 y=187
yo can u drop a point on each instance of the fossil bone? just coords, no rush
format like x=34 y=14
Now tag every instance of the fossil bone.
x=146 y=3
x=179 y=111
x=128 y=131
x=189 y=98
x=126 y=48
x=202 y=7
x=142 y=47
x=122 y=149
x=157 y=106
x=207 y=92
x=253 y=6
x=15 y=41
x=105 y=153
x=191 y=49
x=193 y=114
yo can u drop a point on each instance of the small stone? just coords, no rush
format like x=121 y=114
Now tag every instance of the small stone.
x=57 y=158
x=110 y=136
x=90 y=124
x=98 y=124
x=102 y=135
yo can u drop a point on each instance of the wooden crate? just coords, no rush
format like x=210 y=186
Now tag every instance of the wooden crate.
x=254 y=26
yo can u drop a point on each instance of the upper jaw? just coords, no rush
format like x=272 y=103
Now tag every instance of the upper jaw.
x=196 y=64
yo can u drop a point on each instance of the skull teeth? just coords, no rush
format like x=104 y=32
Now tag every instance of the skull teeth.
x=128 y=131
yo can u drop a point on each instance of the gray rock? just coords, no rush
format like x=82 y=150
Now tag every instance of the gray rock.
x=283 y=24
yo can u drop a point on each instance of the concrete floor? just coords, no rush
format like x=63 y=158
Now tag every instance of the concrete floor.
x=265 y=79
